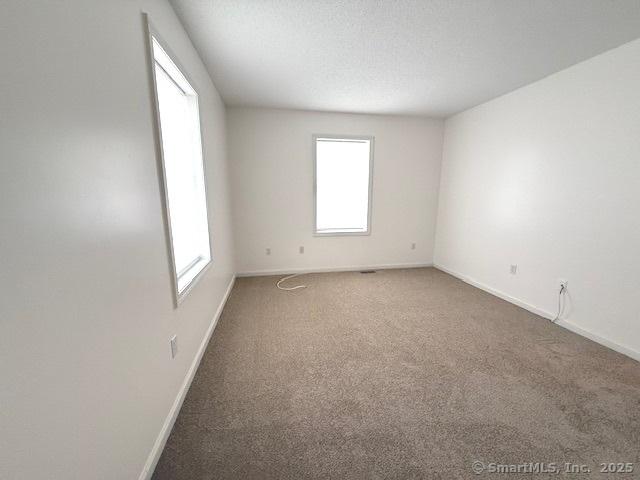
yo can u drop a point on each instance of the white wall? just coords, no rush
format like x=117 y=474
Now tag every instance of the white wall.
x=548 y=178
x=86 y=307
x=272 y=183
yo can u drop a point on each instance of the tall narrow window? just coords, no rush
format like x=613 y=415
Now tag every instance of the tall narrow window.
x=179 y=121
x=343 y=167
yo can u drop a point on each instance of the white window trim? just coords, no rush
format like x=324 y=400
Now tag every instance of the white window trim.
x=152 y=33
x=336 y=233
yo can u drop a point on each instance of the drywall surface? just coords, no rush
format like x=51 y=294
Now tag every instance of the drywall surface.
x=270 y=152
x=548 y=178
x=86 y=308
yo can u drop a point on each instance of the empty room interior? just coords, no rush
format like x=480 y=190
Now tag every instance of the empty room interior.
x=335 y=239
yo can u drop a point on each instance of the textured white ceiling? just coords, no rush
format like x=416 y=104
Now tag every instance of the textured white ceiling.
x=428 y=57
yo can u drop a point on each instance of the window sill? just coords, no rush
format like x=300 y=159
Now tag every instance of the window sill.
x=201 y=268
x=341 y=233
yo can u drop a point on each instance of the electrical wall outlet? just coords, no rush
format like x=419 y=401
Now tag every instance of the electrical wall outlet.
x=563 y=282
x=267 y=251
x=173 y=342
x=413 y=246
x=514 y=269
x=301 y=249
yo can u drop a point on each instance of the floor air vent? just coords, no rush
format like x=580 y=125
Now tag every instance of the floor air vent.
x=367 y=271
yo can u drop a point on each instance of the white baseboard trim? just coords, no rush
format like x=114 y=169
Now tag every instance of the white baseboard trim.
x=497 y=293
x=629 y=352
x=161 y=440
x=348 y=268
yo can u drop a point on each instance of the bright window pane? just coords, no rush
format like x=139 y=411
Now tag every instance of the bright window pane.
x=342 y=185
x=184 y=174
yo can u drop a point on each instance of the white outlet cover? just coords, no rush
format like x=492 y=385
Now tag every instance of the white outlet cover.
x=514 y=269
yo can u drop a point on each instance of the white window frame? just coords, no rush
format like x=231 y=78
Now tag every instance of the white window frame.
x=152 y=33
x=314 y=143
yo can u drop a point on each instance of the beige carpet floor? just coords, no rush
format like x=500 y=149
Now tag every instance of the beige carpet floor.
x=398 y=374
